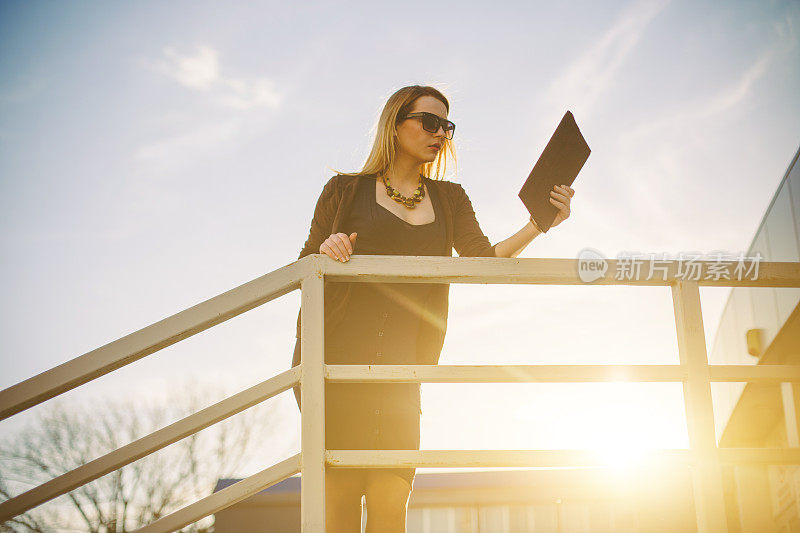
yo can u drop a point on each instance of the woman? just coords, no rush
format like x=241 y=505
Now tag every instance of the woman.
x=392 y=207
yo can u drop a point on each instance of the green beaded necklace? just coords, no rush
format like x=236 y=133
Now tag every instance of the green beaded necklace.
x=395 y=195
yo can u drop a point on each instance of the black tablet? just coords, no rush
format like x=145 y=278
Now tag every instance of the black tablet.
x=559 y=164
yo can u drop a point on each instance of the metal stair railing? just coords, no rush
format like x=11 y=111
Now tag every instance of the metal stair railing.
x=310 y=274
x=693 y=371
x=139 y=344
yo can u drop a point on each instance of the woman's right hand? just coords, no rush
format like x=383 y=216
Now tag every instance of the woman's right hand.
x=338 y=246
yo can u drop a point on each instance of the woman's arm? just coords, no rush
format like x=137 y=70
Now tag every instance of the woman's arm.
x=470 y=241
x=322 y=221
x=560 y=197
x=514 y=245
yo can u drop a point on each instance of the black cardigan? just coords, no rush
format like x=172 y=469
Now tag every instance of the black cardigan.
x=463 y=233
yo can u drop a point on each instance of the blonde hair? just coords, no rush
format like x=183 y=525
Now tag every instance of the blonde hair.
x=384 y=147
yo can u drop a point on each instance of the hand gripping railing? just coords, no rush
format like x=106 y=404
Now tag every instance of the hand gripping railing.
x=309 y=274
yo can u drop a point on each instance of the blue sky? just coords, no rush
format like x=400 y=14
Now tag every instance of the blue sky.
x=153 y=155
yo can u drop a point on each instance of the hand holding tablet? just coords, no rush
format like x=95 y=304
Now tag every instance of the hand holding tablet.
x=562 y=159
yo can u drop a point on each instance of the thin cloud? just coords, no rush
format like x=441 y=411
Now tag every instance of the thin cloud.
x=582 y=82
x=211 y=130
x=202 y=72
x=731 y=96
x=182 y=147
x=680 y=121
x=244 y=95
x=660 y=152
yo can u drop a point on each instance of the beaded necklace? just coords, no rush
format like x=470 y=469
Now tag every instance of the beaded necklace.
x=410 y=202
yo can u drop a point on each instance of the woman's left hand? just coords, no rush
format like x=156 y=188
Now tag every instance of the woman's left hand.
x=560 y=197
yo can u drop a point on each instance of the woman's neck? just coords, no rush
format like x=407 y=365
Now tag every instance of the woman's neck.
x=404 y=174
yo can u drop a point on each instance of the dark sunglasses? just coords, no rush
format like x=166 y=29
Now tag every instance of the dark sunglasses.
x=431 y=123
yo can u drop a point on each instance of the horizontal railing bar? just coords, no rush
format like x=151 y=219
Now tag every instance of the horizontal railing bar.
x=543 y=458
x=437 y=269
x=487 y=458
x=503 y=373
x=152 y=338
x=554 y=373
x=150 y=443
x=755 y=373
x=764 y=456
x=226 y=497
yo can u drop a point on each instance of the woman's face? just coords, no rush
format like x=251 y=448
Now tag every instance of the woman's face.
x=413 y=141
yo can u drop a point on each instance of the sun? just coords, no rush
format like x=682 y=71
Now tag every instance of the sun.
x=622 y=457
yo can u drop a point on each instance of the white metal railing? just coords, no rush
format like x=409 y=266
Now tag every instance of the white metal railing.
x=310 y=274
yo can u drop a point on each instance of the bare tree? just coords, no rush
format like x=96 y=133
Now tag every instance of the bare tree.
x=63 y=438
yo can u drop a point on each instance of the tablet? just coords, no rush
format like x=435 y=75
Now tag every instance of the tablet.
x=559 y=164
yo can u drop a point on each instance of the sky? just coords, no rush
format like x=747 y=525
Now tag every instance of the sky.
x=154 y=155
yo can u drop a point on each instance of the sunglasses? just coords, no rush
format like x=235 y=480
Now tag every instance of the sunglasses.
x=431 y=123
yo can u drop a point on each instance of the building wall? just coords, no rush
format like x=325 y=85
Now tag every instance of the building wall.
x=538 y=517
x=764 y=498
x=765 y=308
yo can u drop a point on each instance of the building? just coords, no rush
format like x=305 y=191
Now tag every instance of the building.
x=761 y=325
x=519 y=501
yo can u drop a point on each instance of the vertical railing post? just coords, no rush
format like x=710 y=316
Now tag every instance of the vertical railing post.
x=706 y=475
x=312 y=400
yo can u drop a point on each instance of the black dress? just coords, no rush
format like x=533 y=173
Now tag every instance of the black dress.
x=380 y=326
